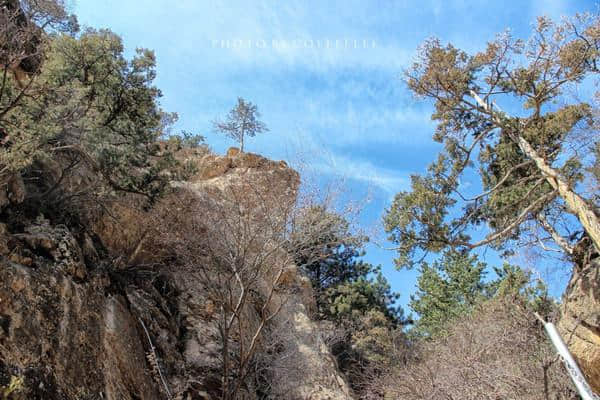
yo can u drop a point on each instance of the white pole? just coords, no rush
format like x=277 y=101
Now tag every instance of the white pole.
x=578 y=378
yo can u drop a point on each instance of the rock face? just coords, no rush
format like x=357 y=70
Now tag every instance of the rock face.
x=303 y=367
x=75 y=325
x=69 y=339
x=580 y=317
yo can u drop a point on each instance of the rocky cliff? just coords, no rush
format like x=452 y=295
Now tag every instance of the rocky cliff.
x=580 y=312
x=90 y=315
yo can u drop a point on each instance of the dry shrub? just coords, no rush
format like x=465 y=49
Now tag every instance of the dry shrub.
x=231 y=240
x=498 y=352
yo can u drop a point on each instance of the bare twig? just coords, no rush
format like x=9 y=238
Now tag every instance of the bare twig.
x=152 y=349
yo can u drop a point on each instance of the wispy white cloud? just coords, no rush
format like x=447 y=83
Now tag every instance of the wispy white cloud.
x=233 y=33
x=395 y=124
x=312 y=157
x=388 y=181
x=314 y=53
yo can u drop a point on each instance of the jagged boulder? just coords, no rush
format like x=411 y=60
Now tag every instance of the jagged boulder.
x=55 y=245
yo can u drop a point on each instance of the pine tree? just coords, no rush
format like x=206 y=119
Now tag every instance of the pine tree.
x=455 y=285
x=92 y=109
x=241 y=121
x=447 y=289
x=345 y=286
x=529 y=174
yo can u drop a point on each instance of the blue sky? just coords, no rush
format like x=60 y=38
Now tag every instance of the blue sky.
x=324 y=74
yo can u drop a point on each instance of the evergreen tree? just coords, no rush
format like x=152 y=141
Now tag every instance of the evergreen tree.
x=355 y=303
x=447 y=289
x=327 y=251
x=349 y=301
x=353 y=297
x=89 y=108
x=517 y=284
x=529 y=175
x=241 y=121
x=455 y=285
x=330 y=254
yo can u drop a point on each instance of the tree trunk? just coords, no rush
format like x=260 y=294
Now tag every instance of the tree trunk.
x=242 y=134
x=224 y=330
x=584 y=212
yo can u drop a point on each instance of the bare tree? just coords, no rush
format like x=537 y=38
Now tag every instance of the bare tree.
x=215 y=240
x=241 y=121
x=234 y=239
x=238 y=237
